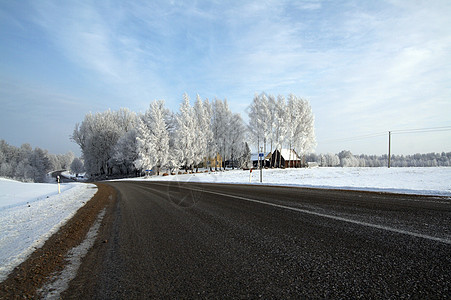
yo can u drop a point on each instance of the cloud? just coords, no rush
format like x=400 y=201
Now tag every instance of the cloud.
x=96 y=38
x=374 y=64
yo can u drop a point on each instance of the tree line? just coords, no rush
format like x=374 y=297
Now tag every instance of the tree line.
x=125 y=143
x=346 y=159
x=205 y=134
x=281 y=123
x=31 y=165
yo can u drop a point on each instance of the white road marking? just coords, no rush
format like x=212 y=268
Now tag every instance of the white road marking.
x=382 y=227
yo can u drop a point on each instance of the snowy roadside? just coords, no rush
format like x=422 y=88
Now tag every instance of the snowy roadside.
x=30 y=213
x=420 y=181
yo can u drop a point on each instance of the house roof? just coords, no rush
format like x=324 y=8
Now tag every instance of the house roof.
x=287 y=156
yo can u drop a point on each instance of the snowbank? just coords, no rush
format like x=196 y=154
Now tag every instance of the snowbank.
x=422 y=181
x=30 y=213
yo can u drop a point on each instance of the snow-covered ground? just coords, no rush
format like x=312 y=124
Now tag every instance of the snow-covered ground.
x=422 y=181
x=31 y=212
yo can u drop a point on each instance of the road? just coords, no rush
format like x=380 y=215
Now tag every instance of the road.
x=176 y=240
x=62 y=178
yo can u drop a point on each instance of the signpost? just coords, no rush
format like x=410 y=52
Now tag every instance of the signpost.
x=58 y=179
x=261 y=159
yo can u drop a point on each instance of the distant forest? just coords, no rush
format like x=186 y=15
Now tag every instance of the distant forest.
x=31 y=165
x=347 y=159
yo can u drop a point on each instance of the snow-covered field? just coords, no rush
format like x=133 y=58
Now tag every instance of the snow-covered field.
x=422 y=181
x=31 y=212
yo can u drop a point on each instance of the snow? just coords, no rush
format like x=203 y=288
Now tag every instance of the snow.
x=289 y=154
x=421 y=181
x=30 y=213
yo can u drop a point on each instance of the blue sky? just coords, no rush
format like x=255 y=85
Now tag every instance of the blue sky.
x=366 y=67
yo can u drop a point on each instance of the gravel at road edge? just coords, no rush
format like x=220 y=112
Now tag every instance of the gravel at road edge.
x=24 y=281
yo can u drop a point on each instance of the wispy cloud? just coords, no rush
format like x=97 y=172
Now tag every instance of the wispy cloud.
x=378 y=64
x=97 y=39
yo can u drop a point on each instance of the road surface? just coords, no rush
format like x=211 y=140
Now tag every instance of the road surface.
x=62 y=178
x=176 y=240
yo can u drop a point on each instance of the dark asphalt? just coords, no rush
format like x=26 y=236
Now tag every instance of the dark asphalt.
x=175 y=240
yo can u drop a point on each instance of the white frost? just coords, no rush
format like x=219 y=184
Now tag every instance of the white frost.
x=30 y=213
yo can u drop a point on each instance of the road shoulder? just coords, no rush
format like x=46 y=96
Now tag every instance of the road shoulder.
x=32 y=274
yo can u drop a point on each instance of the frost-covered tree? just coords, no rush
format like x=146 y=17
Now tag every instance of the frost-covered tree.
x=98 y=135
x=24 y=163
x=271 y=116
x=23 y=169
x=202 y=124
x=236 y=135
x=40 y=164
x=171 y=125
x=347 y=159
x=305 y=139
x=143 y=143
x=329 y=160
x=280 y=124
x=66 y=160
x=245 y=159
x=221 y=125
x=185 y=142
x=126 y=152
x=77 y=166
x=292 y=117
x=256 y=129
x=211 y=146
x=159 y=136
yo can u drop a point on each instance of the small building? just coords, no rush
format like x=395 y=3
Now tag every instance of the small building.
x=266 y=160
x=214 y=162
x=286 y=158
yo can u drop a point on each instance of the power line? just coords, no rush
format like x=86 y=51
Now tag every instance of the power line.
x=421 y=130
x=384 y=133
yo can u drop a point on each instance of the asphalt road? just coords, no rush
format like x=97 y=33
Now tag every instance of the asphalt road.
x=62 y=178
x=174 y=240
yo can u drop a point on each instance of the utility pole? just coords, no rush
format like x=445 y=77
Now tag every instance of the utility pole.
x=389 y=148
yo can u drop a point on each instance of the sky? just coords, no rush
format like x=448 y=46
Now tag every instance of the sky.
x=367 y=67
